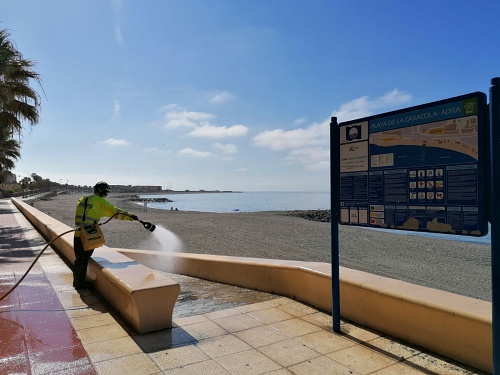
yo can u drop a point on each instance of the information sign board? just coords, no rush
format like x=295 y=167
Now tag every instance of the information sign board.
x=420 y=168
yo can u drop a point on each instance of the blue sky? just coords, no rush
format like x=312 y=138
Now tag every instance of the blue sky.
x=233 y=94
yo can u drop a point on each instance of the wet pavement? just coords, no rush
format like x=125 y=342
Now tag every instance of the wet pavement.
x=46 y=327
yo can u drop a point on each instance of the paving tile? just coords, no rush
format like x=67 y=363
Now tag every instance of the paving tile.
x=223 y=345
x=295 y=327
x=438 y=365
x=325 y=342
x=128 y=365
x=103 y=333
x=392 y=348
x=278 y=301
x=401 y=369
x=190 y=320
x=320 y=319
x=297 y=309
x=92 y=320
x=250 y=362
x=152 y=342
x=206 y=368
x=109 y=349
x=56 y=360
x=321 y=366
x=237 y=323
x=257 y=306
x=361 y=359
x=204 y=330
x=84 y=311
x=14 y=364
x=261 y=336
x=179 y=356
x=282 y=371
x=271 y=315
x=288 y=352
x=358 y=333
x=57 y=340
x=84 y=369
x=222 y=313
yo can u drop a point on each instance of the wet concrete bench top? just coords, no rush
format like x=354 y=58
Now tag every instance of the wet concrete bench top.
x=144 y=297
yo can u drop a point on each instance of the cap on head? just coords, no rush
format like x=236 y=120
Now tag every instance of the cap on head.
x=102 y=189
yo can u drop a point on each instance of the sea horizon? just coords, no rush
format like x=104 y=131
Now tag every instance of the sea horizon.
x=244 y=201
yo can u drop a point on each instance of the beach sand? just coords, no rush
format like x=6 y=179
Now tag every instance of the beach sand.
x=457 y=267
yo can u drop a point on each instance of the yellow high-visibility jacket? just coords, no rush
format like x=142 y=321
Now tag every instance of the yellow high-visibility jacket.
x=97 y=207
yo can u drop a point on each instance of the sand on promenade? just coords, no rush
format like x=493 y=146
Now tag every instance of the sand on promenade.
x=458 y=267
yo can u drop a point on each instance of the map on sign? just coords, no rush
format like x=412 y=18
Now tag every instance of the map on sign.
x=416 y=169
x=428 y=144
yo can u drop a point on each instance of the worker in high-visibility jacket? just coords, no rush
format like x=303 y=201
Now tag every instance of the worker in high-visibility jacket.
x=95 y=208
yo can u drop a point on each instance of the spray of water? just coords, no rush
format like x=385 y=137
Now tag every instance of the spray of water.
x=167 y=240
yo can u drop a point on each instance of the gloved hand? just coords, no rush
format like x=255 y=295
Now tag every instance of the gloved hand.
x=134 y=217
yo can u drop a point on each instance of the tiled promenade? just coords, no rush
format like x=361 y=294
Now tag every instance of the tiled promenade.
x=46 y=327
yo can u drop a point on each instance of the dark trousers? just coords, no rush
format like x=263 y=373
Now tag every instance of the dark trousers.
x=81 y=261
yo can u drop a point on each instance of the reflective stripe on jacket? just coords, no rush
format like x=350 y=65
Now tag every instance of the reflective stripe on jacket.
x=97 y=207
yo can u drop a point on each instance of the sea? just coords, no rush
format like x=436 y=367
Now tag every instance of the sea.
x=236 y=202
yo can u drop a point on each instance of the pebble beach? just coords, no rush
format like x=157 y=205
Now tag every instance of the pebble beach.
x=458 y=267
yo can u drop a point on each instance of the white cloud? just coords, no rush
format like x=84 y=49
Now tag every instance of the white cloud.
x=155 y=150
x=221 y=97
x=177 y=119
x=241 y=170
x=194 y=153
x=300 y=121
x=280 y=139
x=200 y=123
x=118 y=11
x=116 y=142
x=365 y=106
x=211 y=131
x=117 y=109
x=227 y=148
x=170 y=107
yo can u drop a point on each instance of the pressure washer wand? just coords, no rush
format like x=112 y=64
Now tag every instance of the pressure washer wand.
x=149 y=226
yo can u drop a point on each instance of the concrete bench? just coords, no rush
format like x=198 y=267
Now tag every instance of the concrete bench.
x=144 y=297
x=456 y=326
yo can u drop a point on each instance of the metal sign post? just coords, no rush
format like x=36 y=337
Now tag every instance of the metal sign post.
x=334 y=221
x=494 y=217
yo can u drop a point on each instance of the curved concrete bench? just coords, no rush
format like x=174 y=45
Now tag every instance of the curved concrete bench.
x=455 y=326
x=144 y=297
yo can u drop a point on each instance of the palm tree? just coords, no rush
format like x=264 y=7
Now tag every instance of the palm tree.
x=9 y=152
x=18 y=101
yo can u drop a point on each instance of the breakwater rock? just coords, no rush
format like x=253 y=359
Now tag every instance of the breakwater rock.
x=136 y=198
x=314 y=215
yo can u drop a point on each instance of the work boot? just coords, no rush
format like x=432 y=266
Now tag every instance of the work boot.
x=82 y=285
x=80 y=274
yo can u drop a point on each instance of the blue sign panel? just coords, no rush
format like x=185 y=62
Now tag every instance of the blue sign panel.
x=420 y=168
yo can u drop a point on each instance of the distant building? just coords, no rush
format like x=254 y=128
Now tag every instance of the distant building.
x=135 y=189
